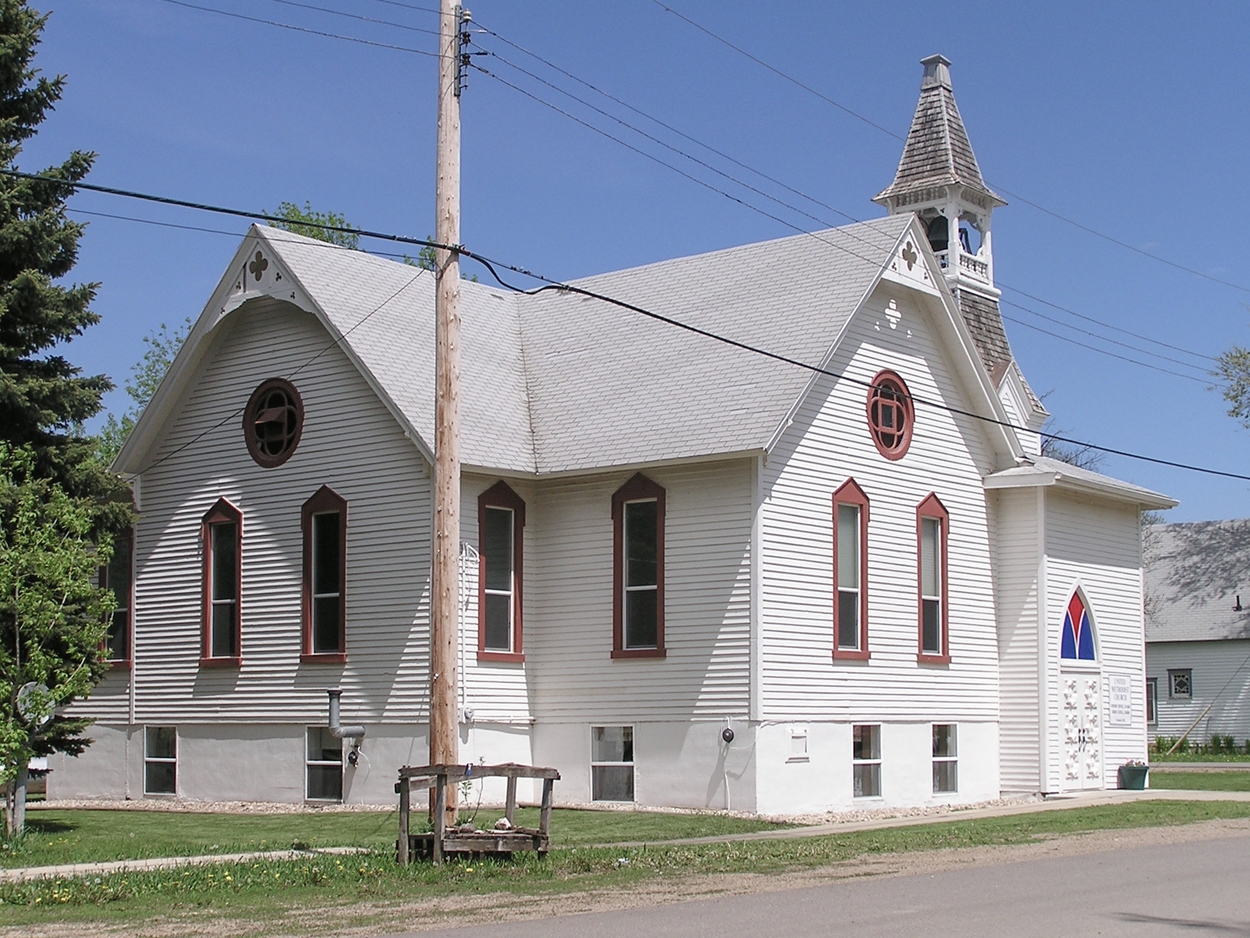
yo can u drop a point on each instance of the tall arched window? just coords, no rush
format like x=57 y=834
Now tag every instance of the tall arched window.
x=1077 y=642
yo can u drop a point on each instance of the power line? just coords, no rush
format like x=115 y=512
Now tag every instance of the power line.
x=302 y=29
x=550 y=284
x=823 y=222
x=356 y=16
x=887 y=131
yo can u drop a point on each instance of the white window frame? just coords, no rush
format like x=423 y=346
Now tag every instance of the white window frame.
x=149 y=759
x=599 y=763
x=310 y=763
x=1152 y=701
x=951 y=759
x=1184 y=674
x=868 y=766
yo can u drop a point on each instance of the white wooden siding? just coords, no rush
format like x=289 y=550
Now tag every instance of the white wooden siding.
x=351 y=443
x=828 y=442
x=1017 y=555
x=1097 y=545
x=568 y=600
x=1221 y=676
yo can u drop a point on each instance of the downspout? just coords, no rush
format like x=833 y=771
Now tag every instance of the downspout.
x=354 y=734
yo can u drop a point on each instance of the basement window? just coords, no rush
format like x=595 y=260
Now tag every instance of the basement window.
x=612 y=763
x=160 y=760
x=324 y=763
x=945 y=761
x=866 y=760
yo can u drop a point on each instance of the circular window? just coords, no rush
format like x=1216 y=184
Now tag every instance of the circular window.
x=890 y=415
x=272 y=422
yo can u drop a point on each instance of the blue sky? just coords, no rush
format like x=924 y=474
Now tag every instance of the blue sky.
x=1128 y=118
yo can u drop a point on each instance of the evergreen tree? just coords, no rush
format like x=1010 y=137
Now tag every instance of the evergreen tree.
x=44 y=399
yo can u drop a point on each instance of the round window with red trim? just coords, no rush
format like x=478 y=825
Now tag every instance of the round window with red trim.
x=890 y=415
x=273 y=422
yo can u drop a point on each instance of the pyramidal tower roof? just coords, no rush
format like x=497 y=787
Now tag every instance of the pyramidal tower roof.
x=937 y=152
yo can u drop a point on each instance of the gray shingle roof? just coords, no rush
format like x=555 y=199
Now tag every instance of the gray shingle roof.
x=985 y=322
x=556 y=382
x=1043 y=470
x=937 y=151
x=1194 y=575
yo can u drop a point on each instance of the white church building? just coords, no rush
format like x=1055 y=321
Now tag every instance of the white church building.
x=864 y=570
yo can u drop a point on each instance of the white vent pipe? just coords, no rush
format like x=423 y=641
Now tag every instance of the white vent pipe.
x=341 y=732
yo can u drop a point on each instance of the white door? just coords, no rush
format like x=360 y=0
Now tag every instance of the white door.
x=1082 y=731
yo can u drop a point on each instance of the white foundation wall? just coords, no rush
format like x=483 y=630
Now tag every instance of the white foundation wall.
x=1096 y=545
x=823 y=780
x=676 y=764
x=828 y=443
x=265 y=763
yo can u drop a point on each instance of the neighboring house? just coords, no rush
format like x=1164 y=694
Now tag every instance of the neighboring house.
x=888 y=599
x=1198 y=629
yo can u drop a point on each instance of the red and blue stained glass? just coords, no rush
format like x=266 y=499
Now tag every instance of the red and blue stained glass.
x=1078 y=634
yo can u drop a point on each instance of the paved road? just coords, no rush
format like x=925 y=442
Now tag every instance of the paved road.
x=1193 y=889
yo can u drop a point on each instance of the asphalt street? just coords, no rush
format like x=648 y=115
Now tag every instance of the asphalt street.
x=1196 y=888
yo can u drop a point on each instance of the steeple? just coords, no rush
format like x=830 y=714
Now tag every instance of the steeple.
x=938 y=178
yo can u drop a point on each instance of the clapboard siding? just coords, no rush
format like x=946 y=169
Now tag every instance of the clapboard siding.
x=1097 y=545
x=1221 y=680
x=568 y=599
x=1017 y=557
x=352 y=444
x=829 y=442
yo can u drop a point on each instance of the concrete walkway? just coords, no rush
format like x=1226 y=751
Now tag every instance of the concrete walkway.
x=1052 y=803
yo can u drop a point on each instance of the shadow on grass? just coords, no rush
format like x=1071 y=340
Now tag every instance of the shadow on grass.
x=39 y=826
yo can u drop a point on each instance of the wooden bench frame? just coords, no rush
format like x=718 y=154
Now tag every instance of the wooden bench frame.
x=439 y=776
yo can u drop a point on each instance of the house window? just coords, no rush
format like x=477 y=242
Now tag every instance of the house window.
x=118 y=576
x=1152 y=697
x=798 y=744
x=945 y=761
x=324 y=521
x=638 y=566
x=1181 y=683
x=221 y=535
x=850 y=571
x=160 y=760
x=890 y=415
x=866 y=760
x=1077 y=642
x=324 y=764
x=500 y=530
x=932 y=522
x=612 y=763
x=273 y=422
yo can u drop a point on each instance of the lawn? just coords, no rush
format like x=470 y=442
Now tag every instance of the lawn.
x=302 y=895
x=82 y=836
x=1237 y=780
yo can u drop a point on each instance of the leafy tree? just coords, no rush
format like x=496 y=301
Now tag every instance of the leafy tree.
x=296 y=219
x=55 y=615
x=1233 y=368
x=145 y=377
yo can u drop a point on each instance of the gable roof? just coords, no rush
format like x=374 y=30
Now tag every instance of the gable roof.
x=1045 y=471
x=1195 y=574
x=554 y=382
x=937 y=151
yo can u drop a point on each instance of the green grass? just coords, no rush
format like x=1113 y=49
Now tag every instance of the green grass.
x=83 y=836
x=310 y=894
x=1158 y=757
x=1238 y=780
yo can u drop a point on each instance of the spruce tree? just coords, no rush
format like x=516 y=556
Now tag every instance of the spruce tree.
x=44 y=399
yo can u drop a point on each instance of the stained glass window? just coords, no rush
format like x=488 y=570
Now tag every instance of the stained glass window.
x=1077 y=643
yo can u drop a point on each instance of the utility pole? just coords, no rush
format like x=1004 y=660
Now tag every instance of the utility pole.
x=444 y=613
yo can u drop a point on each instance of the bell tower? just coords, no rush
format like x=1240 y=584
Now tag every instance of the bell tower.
x=938 y=178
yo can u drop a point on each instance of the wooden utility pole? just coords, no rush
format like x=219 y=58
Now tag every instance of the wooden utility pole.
x=444 y=618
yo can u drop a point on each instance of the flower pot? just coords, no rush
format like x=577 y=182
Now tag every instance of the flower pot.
x=1133 y=777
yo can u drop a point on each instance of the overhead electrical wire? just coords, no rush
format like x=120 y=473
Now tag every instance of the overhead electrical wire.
x=871 y=123
x=549 y=284
x=357 y=16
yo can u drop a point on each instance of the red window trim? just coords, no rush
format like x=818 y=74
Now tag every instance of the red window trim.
x=639 y=488
x=222 y=510
x=324 y=501
x=500 y=495
x=932 y=507
x=249 y=422
x=906 y=408
x=849 y=493
x=118 y=664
